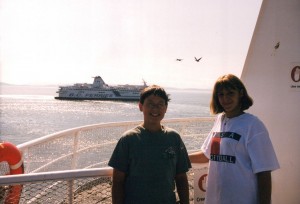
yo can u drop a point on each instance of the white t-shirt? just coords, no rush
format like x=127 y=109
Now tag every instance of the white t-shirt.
x=238 y=148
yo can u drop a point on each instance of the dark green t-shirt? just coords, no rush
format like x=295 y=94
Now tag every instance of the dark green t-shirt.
x=150 y=161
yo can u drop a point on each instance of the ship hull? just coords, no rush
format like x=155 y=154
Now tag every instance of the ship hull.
x=99 y=99
x=98 y=95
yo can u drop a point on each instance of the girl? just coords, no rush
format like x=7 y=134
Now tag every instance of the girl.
x=238 y=148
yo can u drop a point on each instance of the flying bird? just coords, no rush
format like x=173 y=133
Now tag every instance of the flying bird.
x=179 y=59
x=277 y=45
x=197 y=60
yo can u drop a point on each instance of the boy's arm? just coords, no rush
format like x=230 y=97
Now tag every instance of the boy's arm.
x=118 y=185
x=182 y=188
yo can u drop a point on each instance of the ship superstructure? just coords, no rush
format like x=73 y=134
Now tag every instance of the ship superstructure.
x=99 y=90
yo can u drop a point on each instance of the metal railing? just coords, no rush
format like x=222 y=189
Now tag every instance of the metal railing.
x=62 y=186
x=71 y=166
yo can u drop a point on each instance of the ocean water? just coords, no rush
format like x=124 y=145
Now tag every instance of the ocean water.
x=30 y=112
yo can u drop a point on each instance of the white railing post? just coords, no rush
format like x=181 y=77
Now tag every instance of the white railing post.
x=75 y=148
x=26 y=159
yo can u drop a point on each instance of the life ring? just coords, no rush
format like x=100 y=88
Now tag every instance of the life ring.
x=10 y=153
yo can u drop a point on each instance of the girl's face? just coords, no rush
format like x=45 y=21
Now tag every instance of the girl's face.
x=230 y=99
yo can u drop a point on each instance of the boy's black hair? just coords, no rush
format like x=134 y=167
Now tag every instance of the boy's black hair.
x=156 y=91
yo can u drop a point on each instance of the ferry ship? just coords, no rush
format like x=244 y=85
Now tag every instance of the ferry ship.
x=99 y=90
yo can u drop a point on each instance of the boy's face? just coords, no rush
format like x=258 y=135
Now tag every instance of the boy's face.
x=154 y=108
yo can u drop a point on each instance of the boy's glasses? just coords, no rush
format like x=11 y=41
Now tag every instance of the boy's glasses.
x=153 y=105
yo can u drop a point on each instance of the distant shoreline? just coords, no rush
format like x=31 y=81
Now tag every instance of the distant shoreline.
x=34 y=85
x=56 y=86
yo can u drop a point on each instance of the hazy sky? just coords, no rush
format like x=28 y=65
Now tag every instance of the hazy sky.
x=124 y=41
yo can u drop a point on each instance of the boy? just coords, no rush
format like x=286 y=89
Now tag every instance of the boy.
x=150 y=158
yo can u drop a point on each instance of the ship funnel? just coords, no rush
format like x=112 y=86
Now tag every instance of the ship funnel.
x=98 y=82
